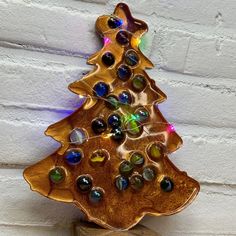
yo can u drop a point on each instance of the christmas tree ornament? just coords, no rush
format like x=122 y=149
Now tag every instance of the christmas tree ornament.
x=113 y=160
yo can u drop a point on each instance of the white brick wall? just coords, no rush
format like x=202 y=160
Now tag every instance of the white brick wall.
x=193 y=45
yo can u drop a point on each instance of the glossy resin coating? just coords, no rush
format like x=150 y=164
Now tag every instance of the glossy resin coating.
x=113 y=161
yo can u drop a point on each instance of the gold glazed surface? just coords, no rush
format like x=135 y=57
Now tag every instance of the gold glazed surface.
x=118 y=209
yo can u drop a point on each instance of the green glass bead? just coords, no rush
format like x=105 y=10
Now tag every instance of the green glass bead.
x=137 y=159
x=112 y=102
x=149 y=173
x=57 y=175
x=134 y=128
x=139 y=83
x=126 y=168
x=142 y=114
x=136 y=182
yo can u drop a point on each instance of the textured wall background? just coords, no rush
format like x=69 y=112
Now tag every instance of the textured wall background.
x=193 y=45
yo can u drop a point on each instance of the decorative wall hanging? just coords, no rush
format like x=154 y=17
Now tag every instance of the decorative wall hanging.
x=113 y=161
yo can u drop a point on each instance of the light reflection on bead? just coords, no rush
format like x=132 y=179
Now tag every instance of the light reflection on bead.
x=170 y=128
x=106 y=40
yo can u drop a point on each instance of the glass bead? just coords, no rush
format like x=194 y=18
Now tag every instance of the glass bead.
x=167 y=185
x=134 y=128
x=126 y=168
x=139 y=83
x=124 y=72
x=78 y=136
x=121 y=183
x=117 y=134
x=136 y=182
x=108 y=59
x=96 y=195
x=99 y=126
x=99 y=157
x=137 y=159
x=114 y=120
x=125 y=97
x=101 y=89
x=74 y=156
x=112 y=102
x=131 y=58
x=57 y=175
x=84 y=183
x=155 y=151
x=149 y=173
x=142 y=114
x=122 y=37
x=114 y=22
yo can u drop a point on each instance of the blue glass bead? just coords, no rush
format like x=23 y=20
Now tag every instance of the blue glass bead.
x=114 y=120
x=101 y=89
x=96 y=195
x=125 y=97
x=121 y=183
x=167 y=185
x=84 y=183
x=73 y=156
x=131 y=58
x=124 y=72
x=114 y=22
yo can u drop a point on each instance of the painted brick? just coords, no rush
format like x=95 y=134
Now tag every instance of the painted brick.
x=213 y=57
